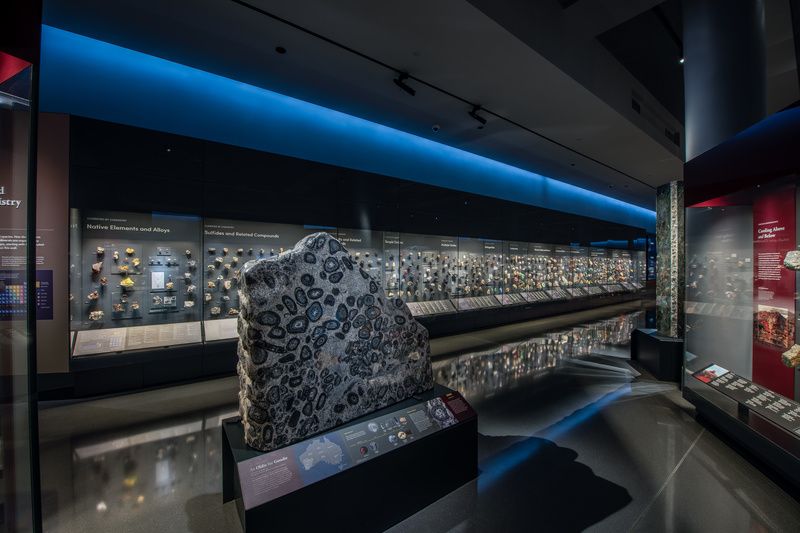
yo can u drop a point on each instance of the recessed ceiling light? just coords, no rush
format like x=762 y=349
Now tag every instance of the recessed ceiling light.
x=280 y=49
x=682 y=60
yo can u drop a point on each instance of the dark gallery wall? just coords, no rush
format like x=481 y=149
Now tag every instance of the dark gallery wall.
x=124 y=168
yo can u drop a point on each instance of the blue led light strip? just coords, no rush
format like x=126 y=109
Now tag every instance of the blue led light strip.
x=87 y=77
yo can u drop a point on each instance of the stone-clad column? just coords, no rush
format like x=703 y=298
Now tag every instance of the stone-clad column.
x=670 y=259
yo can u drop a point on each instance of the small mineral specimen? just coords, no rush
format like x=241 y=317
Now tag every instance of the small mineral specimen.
x=188 y=304
x=96 y=315
x=191 y=289
x=791 y=357
x=100 y=251
x=233 y=312
x=134 y=306
x=118 y=308
x=126 y=283
x=212 y=250
x=207 y=297
x=212 y=267
x=792 y=260
x=97 y=267
x=215 y=311
x=94 y=295
x=130 y=251
x=226 y=284
x=115 y=255
x=103 y=281
x=136 y=262
x=224 y=251
x=211 y=284
x=170 y=285
x=188 y=253
x=157 y=300
x=123 y=269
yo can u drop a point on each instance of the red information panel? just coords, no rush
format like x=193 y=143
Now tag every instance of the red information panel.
x=773 y=288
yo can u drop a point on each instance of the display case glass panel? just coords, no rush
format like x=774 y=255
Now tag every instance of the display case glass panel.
x=227 y=246
x=391 y=264
x=579 y=269
x=562 y=279
x=427 y=267
x=480 y=267
x=741 y=340
x=517 y=273
x=133 y=280
x=596 y=271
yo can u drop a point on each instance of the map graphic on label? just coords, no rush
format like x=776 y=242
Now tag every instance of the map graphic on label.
x=321 y=458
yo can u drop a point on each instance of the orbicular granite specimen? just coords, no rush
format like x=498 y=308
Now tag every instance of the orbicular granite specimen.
x=320 y=344
x=791 y=357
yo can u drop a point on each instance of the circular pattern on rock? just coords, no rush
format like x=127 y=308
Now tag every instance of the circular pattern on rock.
x=334 y=246
x=307 y=280
x=330 y=301
x=310 y=258
x=336 y=277
x=315 y=293
x=268 y=318
x=277 y=332
x=293 y=344
x=289 y=303
x=298 y=324
x=330 y=265
x=373 y=312
x=314 y=312
x=300 y=296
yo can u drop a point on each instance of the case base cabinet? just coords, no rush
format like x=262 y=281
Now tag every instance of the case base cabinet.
x=369 y=479
x=659 y=355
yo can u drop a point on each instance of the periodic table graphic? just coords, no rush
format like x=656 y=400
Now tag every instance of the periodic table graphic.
x=14 y=290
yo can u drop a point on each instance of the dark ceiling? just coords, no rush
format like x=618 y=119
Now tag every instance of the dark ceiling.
x=649 y=46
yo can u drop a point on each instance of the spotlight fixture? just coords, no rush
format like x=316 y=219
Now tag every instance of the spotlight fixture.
x=474 y=114
x=682 y=60
x=400 y=81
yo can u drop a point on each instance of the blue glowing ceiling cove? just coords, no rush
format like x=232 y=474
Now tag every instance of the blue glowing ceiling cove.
x=87 y=77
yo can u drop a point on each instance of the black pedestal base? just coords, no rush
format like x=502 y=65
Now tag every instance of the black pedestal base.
x=659 y=355
x=383 y=481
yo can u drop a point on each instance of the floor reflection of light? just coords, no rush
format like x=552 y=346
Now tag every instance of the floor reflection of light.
x=84 y=452
x=101 y=507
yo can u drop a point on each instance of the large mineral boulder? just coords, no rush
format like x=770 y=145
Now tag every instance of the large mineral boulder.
x=320 y=344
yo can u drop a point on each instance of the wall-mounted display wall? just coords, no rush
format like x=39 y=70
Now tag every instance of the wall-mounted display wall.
x=141 y=281
x=151 y=282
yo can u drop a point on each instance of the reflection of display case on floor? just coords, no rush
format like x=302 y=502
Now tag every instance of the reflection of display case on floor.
x=417 y=451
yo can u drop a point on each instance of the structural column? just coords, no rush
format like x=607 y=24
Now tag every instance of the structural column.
x=670 y=259
x=724 y=47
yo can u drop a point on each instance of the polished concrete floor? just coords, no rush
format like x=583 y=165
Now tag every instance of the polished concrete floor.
x=571 y=438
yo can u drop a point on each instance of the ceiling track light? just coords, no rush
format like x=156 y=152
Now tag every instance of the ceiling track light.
x=474 y=114
x=400 y=81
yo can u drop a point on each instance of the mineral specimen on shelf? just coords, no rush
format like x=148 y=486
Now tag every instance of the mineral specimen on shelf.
x=118 y=308
x=100 y=251
x=212 y=250
x=97 y=267
x=94 y=295
x=233 y=312
x=791 y=357
x=212 y=267
x=157 y=300
x=190 y=289
x=188 y=304
x=130 y=251
x=224 y=251
x=240 y=251
x=126 y=283
x=215 y=311
x=792 y=260
x=226 y=284
x=115 y=255
x=188 y=253
x=170 y=285
x=208 y=297
x=123 y=269
x=191 y=264
x=96 y=315
x=320 y=344
x=211 y=284
x=134 y=306
x=103 y=281
x=136 y=262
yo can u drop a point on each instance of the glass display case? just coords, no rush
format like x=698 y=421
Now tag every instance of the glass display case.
x=480 y=273
x=227 y=246
x=741 y=340
x=134 y=280
x=149 y=280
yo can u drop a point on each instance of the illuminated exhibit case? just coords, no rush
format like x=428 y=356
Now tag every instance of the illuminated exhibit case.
x=741 y=344
x=148 y=280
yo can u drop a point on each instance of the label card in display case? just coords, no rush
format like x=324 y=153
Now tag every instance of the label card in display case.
x=558 y=294
x=223 y=329
x=511 y=299
x=437 y=307
x=476 y=302
x=576 y=292
x=536 y=296
x=771 y=405
x=109 y=340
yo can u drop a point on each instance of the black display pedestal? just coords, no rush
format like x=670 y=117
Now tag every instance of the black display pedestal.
x=661 y=356
x=383 y=476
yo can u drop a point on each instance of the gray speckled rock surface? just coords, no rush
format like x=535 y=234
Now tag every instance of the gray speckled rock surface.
x=319 y=344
